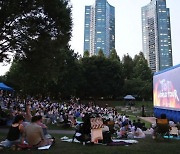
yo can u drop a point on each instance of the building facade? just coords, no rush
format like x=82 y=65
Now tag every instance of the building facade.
x=99 y=28
x=156 y=35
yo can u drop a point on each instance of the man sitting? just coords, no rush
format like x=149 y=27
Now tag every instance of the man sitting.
x=162 y=126
x=34 y=134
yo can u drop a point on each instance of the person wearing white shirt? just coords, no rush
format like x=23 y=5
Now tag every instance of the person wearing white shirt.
x=138 y=133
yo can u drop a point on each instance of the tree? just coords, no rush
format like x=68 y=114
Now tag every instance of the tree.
x=141 y=69
x=23 y=22
x=100 y=53
x=17 y=77
x=139 y=88
x=103 y=77
x=113 y=55
x=86 y=53
x=38 y=31
x=138 y=77
x=128 y=65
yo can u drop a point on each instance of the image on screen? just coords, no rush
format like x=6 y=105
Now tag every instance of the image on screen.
x=166 y=89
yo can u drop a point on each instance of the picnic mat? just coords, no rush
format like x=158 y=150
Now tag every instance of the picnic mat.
x=172 y=137
x=115 y=142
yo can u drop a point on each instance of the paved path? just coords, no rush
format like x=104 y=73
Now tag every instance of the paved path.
x=149 y=119
x=5 y=130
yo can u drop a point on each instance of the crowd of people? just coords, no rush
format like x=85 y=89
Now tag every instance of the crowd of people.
x=27 y=119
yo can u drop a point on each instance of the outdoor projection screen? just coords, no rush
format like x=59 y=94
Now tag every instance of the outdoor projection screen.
x=166 y=89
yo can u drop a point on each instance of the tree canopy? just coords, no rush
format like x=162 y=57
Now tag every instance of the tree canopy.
x=36 y=33
x=24 y=22
x=113 y=55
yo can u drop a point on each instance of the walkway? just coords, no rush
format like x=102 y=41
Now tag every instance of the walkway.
x=152 y=120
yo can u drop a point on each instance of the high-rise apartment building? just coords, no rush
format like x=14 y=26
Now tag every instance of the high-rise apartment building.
x=156 y=35
x=99 y=28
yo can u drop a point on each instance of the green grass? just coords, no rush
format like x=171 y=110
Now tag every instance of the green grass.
x=145 y=146
x=147 y=124
x=58 y=127
x=112 y=103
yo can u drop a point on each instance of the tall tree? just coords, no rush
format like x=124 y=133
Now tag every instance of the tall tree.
x=100 y=53
x=103 y=77
x=113 y=55
x=23 y=22
x=37 y=32
x=86 y=53
x=141 y=69
x=127 y=66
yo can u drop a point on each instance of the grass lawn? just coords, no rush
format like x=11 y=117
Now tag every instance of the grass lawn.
x=58 y=127
x=137 y=104
x=145 y=146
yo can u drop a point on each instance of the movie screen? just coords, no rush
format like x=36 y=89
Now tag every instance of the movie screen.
x=166 y=89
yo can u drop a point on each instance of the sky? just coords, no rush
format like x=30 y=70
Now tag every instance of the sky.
x=128 y=30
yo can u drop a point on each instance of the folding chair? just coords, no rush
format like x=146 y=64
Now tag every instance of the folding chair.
x=162 y=127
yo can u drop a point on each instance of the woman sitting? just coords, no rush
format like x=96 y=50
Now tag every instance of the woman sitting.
x=138 y=133
x=124 y=131
x=15 y=132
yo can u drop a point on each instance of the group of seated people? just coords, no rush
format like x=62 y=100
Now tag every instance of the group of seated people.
x=32 y=133
x=123 y=129
x=131 y=130
x=68 y=114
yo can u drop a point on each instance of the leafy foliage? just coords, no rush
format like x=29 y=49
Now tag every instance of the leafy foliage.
x=100 y=53
x=24 y=23
x=127 y=66
x=113 y=55
x=86 y=53
x=103 y=77
x=37 y=34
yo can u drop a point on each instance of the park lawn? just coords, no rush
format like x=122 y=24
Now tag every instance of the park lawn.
x=145 y=146
x=138 y=104
x=112 y=103
x=58 y=127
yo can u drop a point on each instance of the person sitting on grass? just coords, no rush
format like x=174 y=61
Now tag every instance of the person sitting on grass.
x=44 y=127
x=137 y=132
x=33 y=134
x=15 y=132
x=124 y=131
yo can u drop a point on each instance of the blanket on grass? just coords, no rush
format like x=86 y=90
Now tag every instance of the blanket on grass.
x=25 y=147
x=115 y=142
x=172 y=137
